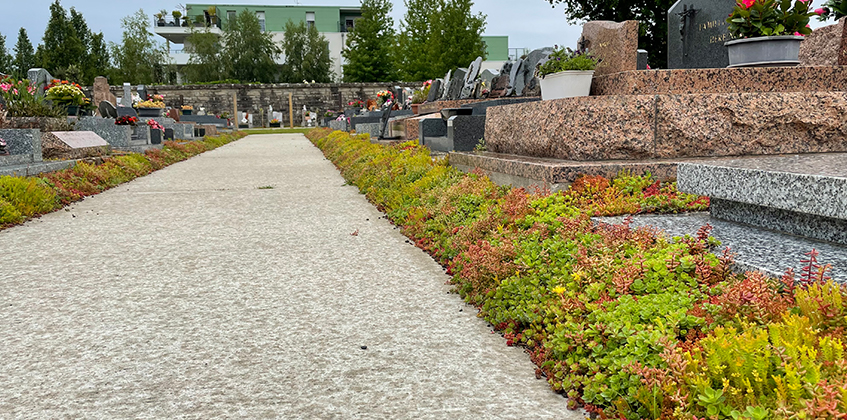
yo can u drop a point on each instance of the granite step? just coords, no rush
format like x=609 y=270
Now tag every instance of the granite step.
x=557 y=174
x=755 y=249
x=802 y=195
x=35 y=168
x=633 y=127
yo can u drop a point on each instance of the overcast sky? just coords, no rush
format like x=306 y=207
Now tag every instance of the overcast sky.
x=528 y=23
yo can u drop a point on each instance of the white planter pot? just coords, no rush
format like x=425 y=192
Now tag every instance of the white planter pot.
x=566 y=84
x=764 y=51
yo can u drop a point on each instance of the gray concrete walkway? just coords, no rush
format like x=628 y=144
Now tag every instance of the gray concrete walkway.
x=192 y=293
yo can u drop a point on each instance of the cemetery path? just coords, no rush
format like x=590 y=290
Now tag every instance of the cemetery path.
x=194 y=292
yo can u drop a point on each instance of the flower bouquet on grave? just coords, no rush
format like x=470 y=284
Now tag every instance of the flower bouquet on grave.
x=759 y=18
x=275 y=122
x=358 y=103
x=3 y=151
x=66 y=95
x=153 y=124
x=419 y=95
x=383 y=97
x=126 y=120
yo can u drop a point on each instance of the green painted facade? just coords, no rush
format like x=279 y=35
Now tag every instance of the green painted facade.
x=327 y=18
x=497 y=47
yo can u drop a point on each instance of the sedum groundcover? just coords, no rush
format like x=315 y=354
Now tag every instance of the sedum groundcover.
x=625 y=322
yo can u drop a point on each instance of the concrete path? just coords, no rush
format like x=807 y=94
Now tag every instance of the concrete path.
x=193 y=293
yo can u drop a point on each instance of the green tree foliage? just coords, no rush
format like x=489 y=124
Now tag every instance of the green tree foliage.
x=6 y=61
x=250 y=54
x=370 y=46
x=651 y=14
x=99 y=61
x=24 y=55
x=205 y=63
x=306 y=54
x=437 y=36
x=62 y=47
x=138 y=57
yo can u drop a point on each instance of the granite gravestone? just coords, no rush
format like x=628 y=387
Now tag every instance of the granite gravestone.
x=470 y=79
x=500 y=83
x=445 y=85
x=457 y=84
x=126 y=101
x=434 y=91
x=39 y=78
x=487 y=77
x=102 y=93
x=642 y=59
x=107 y=110
x=697 y=30
x=614 y=43
x=531 y=85
x=142 y=92
x=513 y=79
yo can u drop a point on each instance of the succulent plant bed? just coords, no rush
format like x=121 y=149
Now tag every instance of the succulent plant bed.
x=625 y=322
x=22 y=198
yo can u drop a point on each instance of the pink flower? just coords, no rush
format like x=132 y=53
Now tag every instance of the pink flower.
x=797 y=34
x=820 y=11
x=748 y=3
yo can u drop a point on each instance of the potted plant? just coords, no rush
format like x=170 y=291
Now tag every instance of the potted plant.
x=566 y=74
x=274 y=122
x=177 y=15
x=156 y=131
x=126 y=120
x=66 y=94
x=199 y=21
x=384 y=97
x=187 y=109
x=160 y=17
x=213 y=17
x=768 y=32
x=152 y=107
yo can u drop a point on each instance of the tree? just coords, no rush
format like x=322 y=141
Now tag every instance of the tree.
x=62 y=45
x=99 y=61
x=651 y=14
x=306 y=54
x=438 y=36
x=249 y=53
x=6 y=62
x=138 y=58
x=370 y=46
x=24 y=55
x=205 y=63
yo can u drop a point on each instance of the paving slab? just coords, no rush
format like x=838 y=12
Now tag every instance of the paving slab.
x=195 y=293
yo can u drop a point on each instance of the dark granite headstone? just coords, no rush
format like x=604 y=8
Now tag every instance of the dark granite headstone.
x=434 y=91
x=445 y=85
x=487 y=77
x=470 y=79
x=697 y=30
x=642 y=59
x=107 y=110
x=500 y=84
x=126 y=111
x=516 y=82
x=531 y=85
x=156 y=136
x=465 y=131
x=142 y=92
x=456 y=84
x=169 y=134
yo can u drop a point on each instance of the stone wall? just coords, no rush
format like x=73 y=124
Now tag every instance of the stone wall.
x=318 y=97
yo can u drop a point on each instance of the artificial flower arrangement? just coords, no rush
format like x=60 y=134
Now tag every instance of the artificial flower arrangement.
x=65 y=94
x=275 y=121
x=150 y=104
x=3 y=150
x=153 y=124
x=384 y=96
x=358 y=103
x=187 y=108
x=757 y=18
x=126 y=120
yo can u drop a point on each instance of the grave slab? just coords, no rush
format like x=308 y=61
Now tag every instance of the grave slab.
x=73 y=144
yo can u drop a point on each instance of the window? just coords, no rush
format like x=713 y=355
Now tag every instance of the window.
x=261 y=17
x=310 y=19
x=348 y=25
x=230 y=15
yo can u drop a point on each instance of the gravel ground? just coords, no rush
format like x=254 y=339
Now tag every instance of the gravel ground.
x=194 y=293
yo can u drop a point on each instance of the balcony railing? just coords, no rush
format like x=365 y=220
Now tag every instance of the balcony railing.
x=185 y=21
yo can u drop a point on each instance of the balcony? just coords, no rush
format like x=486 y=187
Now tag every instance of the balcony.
x=177 y=32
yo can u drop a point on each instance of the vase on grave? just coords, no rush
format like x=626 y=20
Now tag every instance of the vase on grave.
x=274 y=125
x=73 y=110
x=416 y=108
x=155 y=136
x=566 y=84
x=149 y=112
x=765 y=51
x=186 y=112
